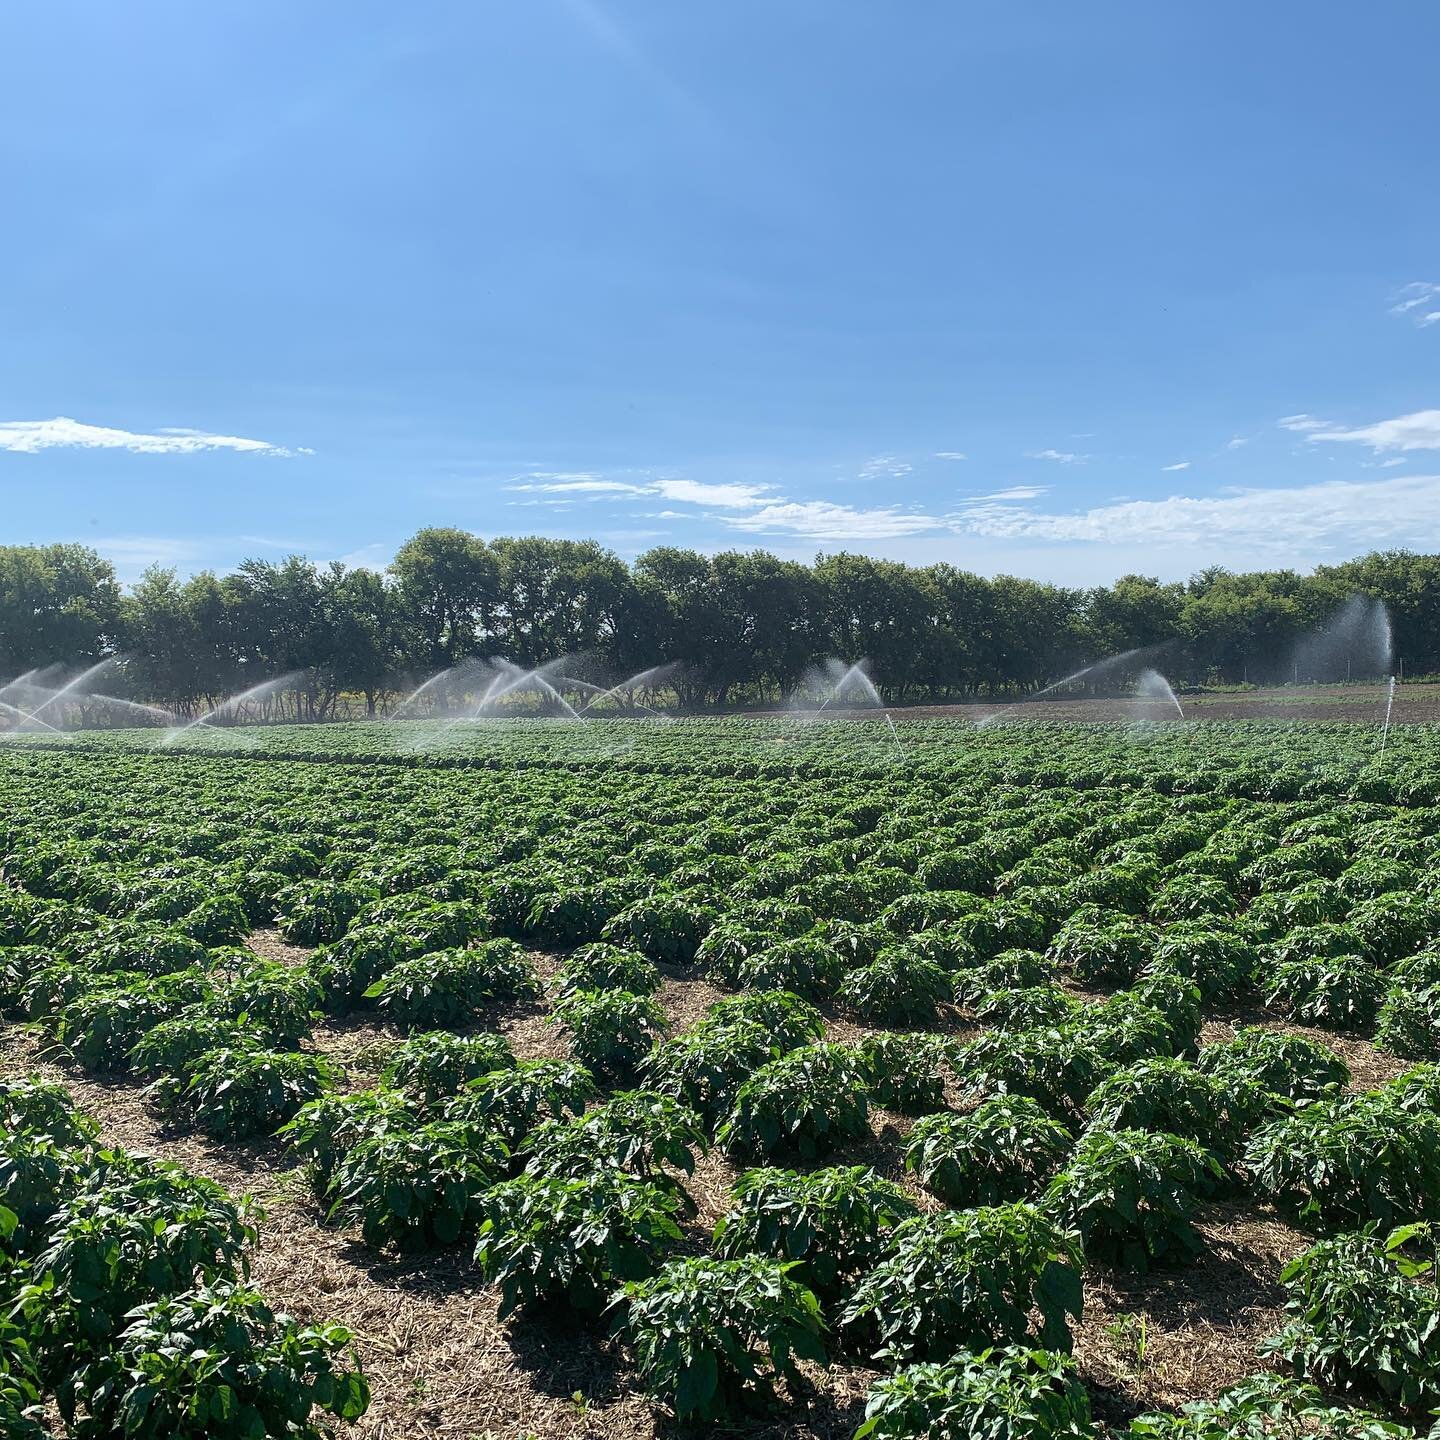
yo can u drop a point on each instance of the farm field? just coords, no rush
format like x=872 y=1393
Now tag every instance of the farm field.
x=544 y=1049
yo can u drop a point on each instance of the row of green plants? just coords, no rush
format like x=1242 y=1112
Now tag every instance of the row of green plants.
x=1267 y=759
x=126 y=1303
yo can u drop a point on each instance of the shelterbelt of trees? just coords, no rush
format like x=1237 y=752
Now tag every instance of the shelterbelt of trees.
x=743 y=627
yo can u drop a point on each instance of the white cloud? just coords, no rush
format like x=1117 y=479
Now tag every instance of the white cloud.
x=375 y=556
x=1420 y=300
x=1181 y=465
x=1301 y=423
x=1286 y=522
x=583 y=484
x=1419 y=431
x=822 y=520
x=1012 y=492
x=697 y=492
x=951 y=455
x=26 y=437
x=1060 y=457
x=880 y=467
x=1236 y=441
x=575 y=482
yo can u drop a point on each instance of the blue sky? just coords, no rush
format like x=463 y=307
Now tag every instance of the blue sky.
x=1050 y=289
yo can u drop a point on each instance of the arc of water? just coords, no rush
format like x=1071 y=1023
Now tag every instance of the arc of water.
x=231 y=702
x=463 y=669
x=855 y=673
x=16 y=710
x=895 y=735
x=133 y=706
x=20 y=682
x=1389 y=706
x=599 y=694
x=1070 y=679
x=74 y=684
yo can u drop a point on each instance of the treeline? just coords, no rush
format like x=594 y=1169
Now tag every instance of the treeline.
x=740 y=627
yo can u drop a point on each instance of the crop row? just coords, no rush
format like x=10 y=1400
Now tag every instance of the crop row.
x=1044 y=959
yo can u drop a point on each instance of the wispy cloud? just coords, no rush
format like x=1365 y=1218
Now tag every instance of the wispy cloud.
x=1418 y=431
x=1179 y=465
x=26 y=437
x=727 y=497
x=1420 y=301
x=1012 y=492
x=1347 y=514
x=1236 y=441
x=880 y=467
x=584 y=484
x=822 y=520
x=578 y=483
x=951 y=455
x=1059 y=457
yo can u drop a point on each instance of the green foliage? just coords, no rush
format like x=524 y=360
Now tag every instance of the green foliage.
x=1337 y=992
x=99 y=1027
x=22 y=1412
x=1109 y=954
x=1178 y=1002
x=435 y=1064
x=454 y=987
x=272 y=998
x=1048 y=1066
x=902 y=1072
x=1009 y=1394
x=970 y=1279
x=510 y=1103
x=1033 y=1007
x=37 y=1176
x=173 y=1046
x=611 y=1031
x=1009 y=970
x=1222 y=963
x=42 y=1108
x=238 y=1093
x=1005 y=1149
x=1264 y=1407
x=1257 y=1061
x=214 y=1363
x=665 y=928
x=638 y=1132
x=416 y=1189
x=557 y=1240
x=315 y=912
x=1132 y=1195
x=806 y=965
x=608 y=967
x=900 y=987
x=1350 y=1160
x=1125 y=1028
x=1363 y=1314
x=1172 y=1096
x=830 y=1224
x=710 y=1337
x=133 y=1228
x=806 y=1102
x=1408 y=1024
x=790 y=1019
x=331 y=1126
x=706 y=1065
